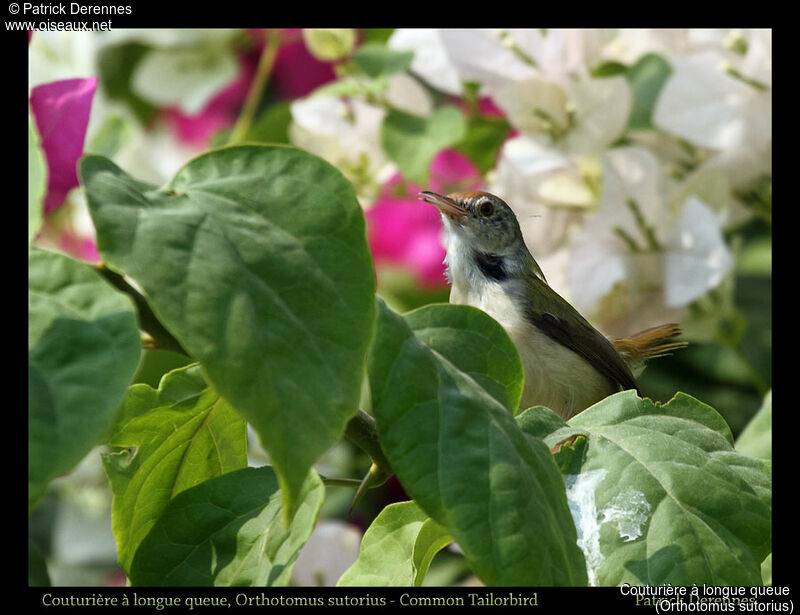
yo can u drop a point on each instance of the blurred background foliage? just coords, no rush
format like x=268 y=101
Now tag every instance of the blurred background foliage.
x=638 y=163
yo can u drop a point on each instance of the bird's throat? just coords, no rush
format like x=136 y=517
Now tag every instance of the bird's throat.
x=491 y=265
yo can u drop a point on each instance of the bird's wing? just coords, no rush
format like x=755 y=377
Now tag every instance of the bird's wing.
x=552 y=315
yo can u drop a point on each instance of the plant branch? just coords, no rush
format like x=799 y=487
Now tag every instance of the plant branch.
x=272 y=42
x=362 y=432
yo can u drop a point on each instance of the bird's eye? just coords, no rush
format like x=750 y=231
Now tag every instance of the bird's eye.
x=486 y=208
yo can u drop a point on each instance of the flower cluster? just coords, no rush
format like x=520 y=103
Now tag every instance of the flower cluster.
x=627 y=154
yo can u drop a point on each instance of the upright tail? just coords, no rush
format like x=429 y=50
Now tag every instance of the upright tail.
x=648 y=344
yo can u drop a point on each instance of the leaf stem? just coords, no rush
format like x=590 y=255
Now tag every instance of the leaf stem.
x=272 y=43
x=340 y=482
x=148 y=321
x=646 y=229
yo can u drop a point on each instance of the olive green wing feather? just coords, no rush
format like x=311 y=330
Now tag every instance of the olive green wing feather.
x=552 y=315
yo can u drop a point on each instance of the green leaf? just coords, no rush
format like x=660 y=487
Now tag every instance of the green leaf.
x=412 y=141
x=228 y=531
x=756 y=439
x=661 y=496
x=397 y=548
x=713 y=372
x=484 y=137
x=83 y=348
x=115 y=131
x=646 y=78
x=255 y=258
x=608 y=69
x=476 y=344
x=376 y=60
x=376 y=35
x=691 y=409
x=756 y=472
x=37 y=181
x=272 y=126
x=458 y=452
x=166 y=441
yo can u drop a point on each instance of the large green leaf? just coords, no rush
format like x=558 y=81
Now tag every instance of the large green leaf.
x=411 y=141
x=37 y=180
x=458 y=452
x=83 y=348
x=228 y=531
x=255 y=258
x=166 y=441
x=476 y=344
x=659 y=495
x=397 y=548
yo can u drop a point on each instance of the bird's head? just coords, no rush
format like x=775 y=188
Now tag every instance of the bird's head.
x=484 y=239
x=482 y=220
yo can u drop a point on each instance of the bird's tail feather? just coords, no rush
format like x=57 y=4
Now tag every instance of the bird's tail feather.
x=648 y=344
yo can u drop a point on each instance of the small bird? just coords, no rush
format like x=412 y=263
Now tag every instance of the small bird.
x=569 y=365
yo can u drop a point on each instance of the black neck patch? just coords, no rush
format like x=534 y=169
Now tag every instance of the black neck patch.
x=491 y=265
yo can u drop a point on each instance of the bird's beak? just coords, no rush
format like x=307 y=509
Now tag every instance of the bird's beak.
x=444 y=203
